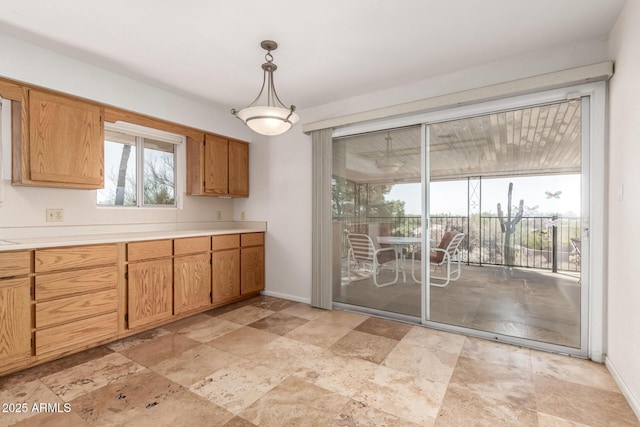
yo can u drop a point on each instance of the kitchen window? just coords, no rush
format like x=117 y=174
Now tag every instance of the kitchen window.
x=141 y=167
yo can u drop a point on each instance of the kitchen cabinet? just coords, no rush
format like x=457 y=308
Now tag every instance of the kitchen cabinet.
x=15 y=310
x=76 y=298
x=217 y=166
x=58 y=141
x=149 y=282
x=191 y=274
x=225 y=260
x=252 y=263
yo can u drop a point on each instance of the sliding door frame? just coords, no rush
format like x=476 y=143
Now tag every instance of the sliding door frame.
x=593 y=275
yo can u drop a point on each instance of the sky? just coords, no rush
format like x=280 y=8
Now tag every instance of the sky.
x=564 y=198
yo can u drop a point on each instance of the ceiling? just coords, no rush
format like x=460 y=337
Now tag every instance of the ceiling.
x=329 y=50
x=538 y=140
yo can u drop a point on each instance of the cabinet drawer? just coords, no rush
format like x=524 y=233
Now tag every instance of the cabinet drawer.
x=14 y=263
x=252 y=239
x=69 y=309
x=59 y=285
x=148 y=250
x=191 y=245
x=76 y=335
x=225 y=241
x=57 y=259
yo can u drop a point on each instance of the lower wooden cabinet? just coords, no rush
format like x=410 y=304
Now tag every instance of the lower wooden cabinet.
x=191 y=274
x=252 y=263
x=225 y=261
x=76 y=298
x=56 y=301
x=150 y=293
x=15 y=323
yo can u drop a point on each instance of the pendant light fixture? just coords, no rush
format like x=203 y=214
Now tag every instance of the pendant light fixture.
x=271 y=117
x=389 y=163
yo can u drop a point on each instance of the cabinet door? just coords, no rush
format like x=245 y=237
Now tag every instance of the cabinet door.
x=238 y=169
x=192 y=282
x=216 y=165
x=225 y=275
x=150 y=292
x=15 y=323
x=66 y=141
x=252 y=275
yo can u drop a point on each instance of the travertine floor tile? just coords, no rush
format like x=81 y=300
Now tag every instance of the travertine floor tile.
x=279 y=323
x=295 y=403
x=461 y=406
x=384 y=328
x=243 y=342
x=365 y=346
x=405 y=396
x=209 y=329
x=247 y=314
x=193 y=365
x=328 y=368
x=495 y=381
x=579 y=371
x=148 y=399
x=25 y=394
x=238 y=385
x=344 y=375
x=164 y=347
x=90 y=376
x=135 y=340
x=360 y=414
x=318 y=333
x=304 y=310
x=583 y=404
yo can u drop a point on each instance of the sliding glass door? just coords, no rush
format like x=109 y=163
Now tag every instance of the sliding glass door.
x=510 y=182
x=472 y=220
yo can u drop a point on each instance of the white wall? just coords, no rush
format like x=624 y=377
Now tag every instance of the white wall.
x=281 y=166
x=22 y=211
x=623 y=327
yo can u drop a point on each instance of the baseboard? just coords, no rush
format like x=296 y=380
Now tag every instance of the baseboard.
x=633 y=402
x=286 y=296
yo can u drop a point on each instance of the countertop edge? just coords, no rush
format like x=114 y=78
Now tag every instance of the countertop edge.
x=96 y=239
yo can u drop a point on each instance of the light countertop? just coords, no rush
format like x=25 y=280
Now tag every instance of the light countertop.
x=93 y=239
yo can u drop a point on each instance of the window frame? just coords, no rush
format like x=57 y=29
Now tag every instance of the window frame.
x=179 y=168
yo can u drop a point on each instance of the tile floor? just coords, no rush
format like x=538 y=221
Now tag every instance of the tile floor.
x=273 y=362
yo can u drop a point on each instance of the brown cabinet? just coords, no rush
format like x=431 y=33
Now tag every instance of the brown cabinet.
x=218 y=166
x=15 y=310
x=150 y=282
x=58 y=142
x=191 y=274
x=225 y=261
x=76 y=297
x=252 y=263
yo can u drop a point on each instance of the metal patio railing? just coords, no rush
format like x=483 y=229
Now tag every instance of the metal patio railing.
x=538 y=242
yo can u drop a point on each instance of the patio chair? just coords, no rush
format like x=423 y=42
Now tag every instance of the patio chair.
x=364 y=254
x=577 y=248
x=442 y=256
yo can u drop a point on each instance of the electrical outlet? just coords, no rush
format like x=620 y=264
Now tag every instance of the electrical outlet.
x=242 y=216
x=55 y=215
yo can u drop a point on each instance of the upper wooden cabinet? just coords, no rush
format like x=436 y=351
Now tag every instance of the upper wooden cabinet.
x=58 y=141
x=218 y=166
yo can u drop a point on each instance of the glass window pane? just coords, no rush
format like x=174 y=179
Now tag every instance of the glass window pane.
x=120 y=171
x=159 y=176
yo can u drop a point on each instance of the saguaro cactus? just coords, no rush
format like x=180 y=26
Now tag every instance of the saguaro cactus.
x=508 y=226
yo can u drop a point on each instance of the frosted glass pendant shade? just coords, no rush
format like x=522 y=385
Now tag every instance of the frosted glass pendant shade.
x=268 y=120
